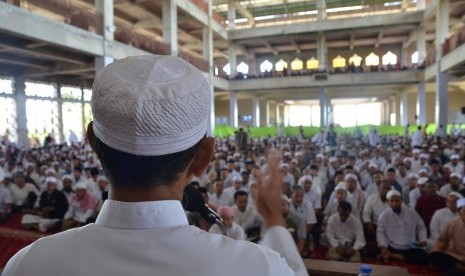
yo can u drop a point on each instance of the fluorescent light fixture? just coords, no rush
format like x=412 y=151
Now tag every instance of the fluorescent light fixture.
x=343 y=9
x=289 y=102
x=392 y=4
x=238 y=20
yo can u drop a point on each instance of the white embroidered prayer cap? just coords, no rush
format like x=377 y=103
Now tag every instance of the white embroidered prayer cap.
x=460 y=203
x=150 y=105
x=456 y=194
x=392 y=193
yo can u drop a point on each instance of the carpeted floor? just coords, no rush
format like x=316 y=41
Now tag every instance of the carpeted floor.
x=13 y=237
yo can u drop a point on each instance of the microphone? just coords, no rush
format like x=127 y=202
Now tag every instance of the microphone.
x=193 y=201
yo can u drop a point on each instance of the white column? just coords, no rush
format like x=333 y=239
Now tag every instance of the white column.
x=277 y=119
x=321 y=7
x=442 y=78
x=421 y=44
x=233 y=113
x=61 y=134
x=170 y=25
x=323 y=107
x=106 y=9
x=404 y=108
x=232 y=60
x=255 y=112
x=397 y=108
x=421 y=104
x=83 y=115
x=208 y=55
x=231 y=15
x=23 y=138
x=267 y=114
x=404 y=60
x=321 y=51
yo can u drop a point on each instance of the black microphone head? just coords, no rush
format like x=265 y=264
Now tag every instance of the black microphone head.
x=192 y=200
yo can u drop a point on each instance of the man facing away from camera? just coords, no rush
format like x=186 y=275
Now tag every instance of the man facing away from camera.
x=149 y=132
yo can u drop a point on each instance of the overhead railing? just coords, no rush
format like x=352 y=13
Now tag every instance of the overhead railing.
x=449 y=45
x=204 y=7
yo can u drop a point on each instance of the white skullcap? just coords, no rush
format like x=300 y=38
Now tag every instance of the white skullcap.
x=461 y=203
x=372 y=165
x=237 y=154
x=350 y=176
x=392 y=193
x=422 y=181
x=51 y=180
x=416 y=151
x=424 y=155
x=284 y=165
x=406 y=159
x=81 y=185
x=422 y=171
x=457 y=195
x=454 y=156
x=455 y=175
x=413 y=175
x=102 y=178
x=67 y=176
x=304 y=178
x=341 y=186
x=285 y=198
x=319 y=155
x=332 y=159
x=237 y=178
x=50 y=170
x=150 y=105
x=294 y=161
x=434 y=147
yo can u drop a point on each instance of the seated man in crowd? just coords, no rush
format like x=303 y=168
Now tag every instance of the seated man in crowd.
x=411 y=185
x=373 y=208
x=5 y=203
x=67 y=190
x=218 y=197
x=401 y=233
x=345 y=235
x=443 y=216
x=340 y=195
x=81 y=207
x=52 y=207
x=429 y=202
x=311 y=194
x=417 y=192
x=230 y=228
x=373 y=187
x=24 y=194
x=449 y=250
x=303 y=207
x=455 y=185
x=246 y=216
x=295 y=224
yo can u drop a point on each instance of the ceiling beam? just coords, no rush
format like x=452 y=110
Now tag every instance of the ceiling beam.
x=296 y=46
x=5 y=48
x=270 y=48
x=352 y=41
x=36 y=45
x=23 y=63
x=245 y=13
x=76 y=71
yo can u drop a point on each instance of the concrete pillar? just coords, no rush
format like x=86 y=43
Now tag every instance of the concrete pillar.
x=61 y=134
x=387 y=117
x=441 y=103
x=397 y=107
x=255 y=112
x=23 y=138
x=83 y=114
x=108 y=28
x=321 y=51
x=421 y=44
x=232 y=60
x=170 y=25
x=233 y=113
x=329 y=110
x=253 y=67
x=321 y=7
x=277 y=115
x=442 y=78
x=106 y=9
x=421 y=104
x=323 y=107
x=231 y=14
x=404 y=114
x=404 y=60
x=208 y=56
x=267 y=113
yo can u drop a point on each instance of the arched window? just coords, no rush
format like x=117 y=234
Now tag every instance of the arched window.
x=266 y=66
x=297 y=64
x=313 y=64
x=389 y=59
x=356 y=60
x=339 y=62
x=280 y=65
x=415 y=58
x=227 y=69
x=372 y=60
x=243 y=68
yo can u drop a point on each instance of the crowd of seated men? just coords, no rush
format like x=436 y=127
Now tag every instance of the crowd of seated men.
x=388 y=197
